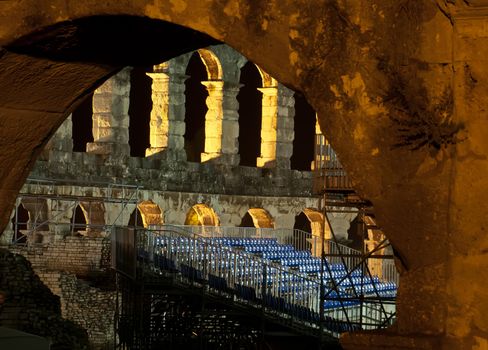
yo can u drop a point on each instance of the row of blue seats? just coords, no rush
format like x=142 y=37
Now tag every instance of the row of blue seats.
x=302 y=260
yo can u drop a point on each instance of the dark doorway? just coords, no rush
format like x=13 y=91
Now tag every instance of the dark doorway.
x=82 y=124
x=140 y=107
x=79 y=220
x=195 y=108
x=135 y=219
x=247 y=221
x=304 y=127
x=250 y=114
x=302 y=223
x=301 y=240
x=19 y=224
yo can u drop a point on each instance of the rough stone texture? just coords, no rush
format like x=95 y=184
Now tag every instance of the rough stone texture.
x=399 y=87
x=82 y=256
x=30 y=306
x=59 y=266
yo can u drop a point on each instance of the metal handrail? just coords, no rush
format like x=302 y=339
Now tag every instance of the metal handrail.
x=291 y=292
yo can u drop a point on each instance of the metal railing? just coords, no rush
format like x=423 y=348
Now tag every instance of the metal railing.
x=328 y=173
x=279 y=290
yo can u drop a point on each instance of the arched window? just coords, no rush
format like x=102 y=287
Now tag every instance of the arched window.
x=195 y=108
x=201 y=215
x=140 y=106
x=19 y=224
x=82 y=124
x=308 y=235
x=257 y=217
x=78 y=220
x=250 y=114
x=304 y=127
x=147 y=213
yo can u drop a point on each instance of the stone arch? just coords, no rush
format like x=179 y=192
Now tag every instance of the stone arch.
x=310 y=220
x=212 y=64
x=79 y=220
x=268 y=80
x=94 y=214
x=147 y=213
x=38 y=213
x=348 y=94
x=257 y=217
x=202 y=215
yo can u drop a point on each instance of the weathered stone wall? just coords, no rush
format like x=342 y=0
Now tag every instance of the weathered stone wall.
x=91 y=308
x=30 y=305
x=89 y=302
x=165 y=166
x=77 y=255
x=174 y=207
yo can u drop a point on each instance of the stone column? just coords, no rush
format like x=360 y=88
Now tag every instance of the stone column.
x=277 y=127
x=111 y=117
x=213 y=120
x=221 y=123
x=167 y=122
x=230 y=124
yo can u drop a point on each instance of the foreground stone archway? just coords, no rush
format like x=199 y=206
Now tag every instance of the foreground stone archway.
x=399 y=87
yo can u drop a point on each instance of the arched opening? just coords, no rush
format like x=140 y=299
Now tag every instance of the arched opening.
x=139 y=110
x=79 y=220
x=195 y=108
x=250 y=114
x=257 y=217
x=202 y=215
x=146 y=213
x=212 y=64
x=304 y=128
x=135 y=219
x=82 y=124
x=19 y=224
x=309 y=226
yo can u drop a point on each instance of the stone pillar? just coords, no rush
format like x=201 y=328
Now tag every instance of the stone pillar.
x=213 y=120
x=277 y=127
x=167 y=123
x=230 y=124
x=111 y=117
x=221 y=123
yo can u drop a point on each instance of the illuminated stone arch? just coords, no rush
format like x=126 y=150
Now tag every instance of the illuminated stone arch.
x=46 y=68
x=212 y=63
x=94 y=214
x=310 y=220
x=147 y=213
x=257 y=217
x=202 y=215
